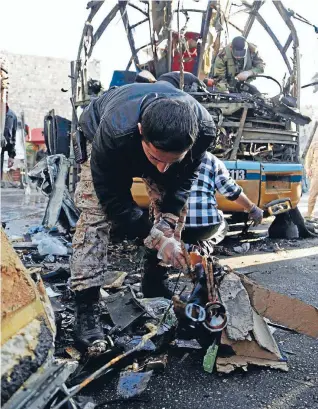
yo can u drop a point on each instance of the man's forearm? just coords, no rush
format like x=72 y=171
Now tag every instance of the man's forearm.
x=244 y=201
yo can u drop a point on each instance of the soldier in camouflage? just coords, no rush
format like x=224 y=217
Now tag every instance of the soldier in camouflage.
x=239 y=60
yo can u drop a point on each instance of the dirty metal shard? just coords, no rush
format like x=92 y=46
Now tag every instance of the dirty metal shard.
x=132 y=383
x=239 y=311
x=123 y=309
x=281 y=309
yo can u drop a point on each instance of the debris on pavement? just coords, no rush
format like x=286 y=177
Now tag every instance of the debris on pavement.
x=244 y=248
x=220 y=315
x=132 y=383
x=239 y=310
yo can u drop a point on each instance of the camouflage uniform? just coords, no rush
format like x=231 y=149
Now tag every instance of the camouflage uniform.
x=312 y=165
x=226 y=67
x=91 y=238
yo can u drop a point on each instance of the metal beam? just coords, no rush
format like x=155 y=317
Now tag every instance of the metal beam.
x=122 y=7
x=140 y=22
x=286 y=16
x=275 y=39
x=138 y=8
x=169 y=28
x=205 y=32
x=238 y=137
x=104 y=24
x=254 y=9
x=288 y=43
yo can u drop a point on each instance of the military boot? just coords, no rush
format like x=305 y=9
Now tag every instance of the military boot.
x=88 y=327
x=155 y=281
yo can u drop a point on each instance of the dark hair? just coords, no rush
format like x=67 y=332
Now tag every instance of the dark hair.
x=169 y=125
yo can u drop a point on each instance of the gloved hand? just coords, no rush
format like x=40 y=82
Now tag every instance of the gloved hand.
x=168 y=248
x=170 y=252
x=244 y=75
x=165 y=227
x=10 y=162
x=256 y=214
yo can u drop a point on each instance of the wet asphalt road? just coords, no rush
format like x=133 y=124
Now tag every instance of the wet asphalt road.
x=184 y=384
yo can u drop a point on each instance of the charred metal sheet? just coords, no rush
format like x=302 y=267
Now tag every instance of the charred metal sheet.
x=58 y=167
x=123 y=309
x=238 y=307
x=133 y=383
x=39 y=389
x=51 y=176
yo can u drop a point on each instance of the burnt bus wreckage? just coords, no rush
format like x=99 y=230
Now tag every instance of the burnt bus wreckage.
x=250 y=126
x=255 y=134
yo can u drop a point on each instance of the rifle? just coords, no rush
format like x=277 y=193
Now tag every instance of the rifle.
x=78 y=139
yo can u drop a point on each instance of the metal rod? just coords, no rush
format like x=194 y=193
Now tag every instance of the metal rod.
x=275 y=40
x=138 y=8
x=206 y=27
x=254 y=8
x=101 y=371
x=236 y=143
x=140 y=22
x=124 y=16
x=288 y=42
x=169 y=28
x=105 y=23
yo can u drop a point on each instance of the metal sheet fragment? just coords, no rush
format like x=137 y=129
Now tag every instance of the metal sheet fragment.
x=239 y=311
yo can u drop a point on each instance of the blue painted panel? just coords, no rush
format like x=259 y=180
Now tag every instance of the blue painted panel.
x=122 y=78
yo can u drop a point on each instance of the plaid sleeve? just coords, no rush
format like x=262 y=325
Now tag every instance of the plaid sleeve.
x=224 y=184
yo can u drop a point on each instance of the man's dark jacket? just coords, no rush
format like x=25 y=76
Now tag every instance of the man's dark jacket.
x=10 y=130
x=117 y=154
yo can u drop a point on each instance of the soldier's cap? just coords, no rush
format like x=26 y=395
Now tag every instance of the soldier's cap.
x=239 y=47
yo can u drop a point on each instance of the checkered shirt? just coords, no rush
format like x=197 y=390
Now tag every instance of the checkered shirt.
x=202 y=204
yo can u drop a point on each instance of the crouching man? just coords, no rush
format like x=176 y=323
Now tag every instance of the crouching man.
x=204 y=222
x=153 y=131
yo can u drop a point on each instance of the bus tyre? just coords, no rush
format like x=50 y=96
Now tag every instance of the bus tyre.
x=305 y=229
x=283 y=227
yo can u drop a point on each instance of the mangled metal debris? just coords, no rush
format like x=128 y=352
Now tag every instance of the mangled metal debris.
x=51 y=174
x=222 y=318
x=30 y=375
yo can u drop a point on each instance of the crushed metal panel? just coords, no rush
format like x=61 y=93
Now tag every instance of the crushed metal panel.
x=263 y=336
x=284 y=310
x=41 y=387
x=58 y=182
x=123 y=309
x=227 y=365
x=238 y=307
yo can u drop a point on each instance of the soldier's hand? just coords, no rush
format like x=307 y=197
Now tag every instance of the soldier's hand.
x=165 y=227
x=10 y=162
x=309 y=173
x=170 y=252
x=244 y=75
x=256 y=214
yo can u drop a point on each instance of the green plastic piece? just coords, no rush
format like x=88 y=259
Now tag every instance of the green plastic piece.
x=210 y=357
